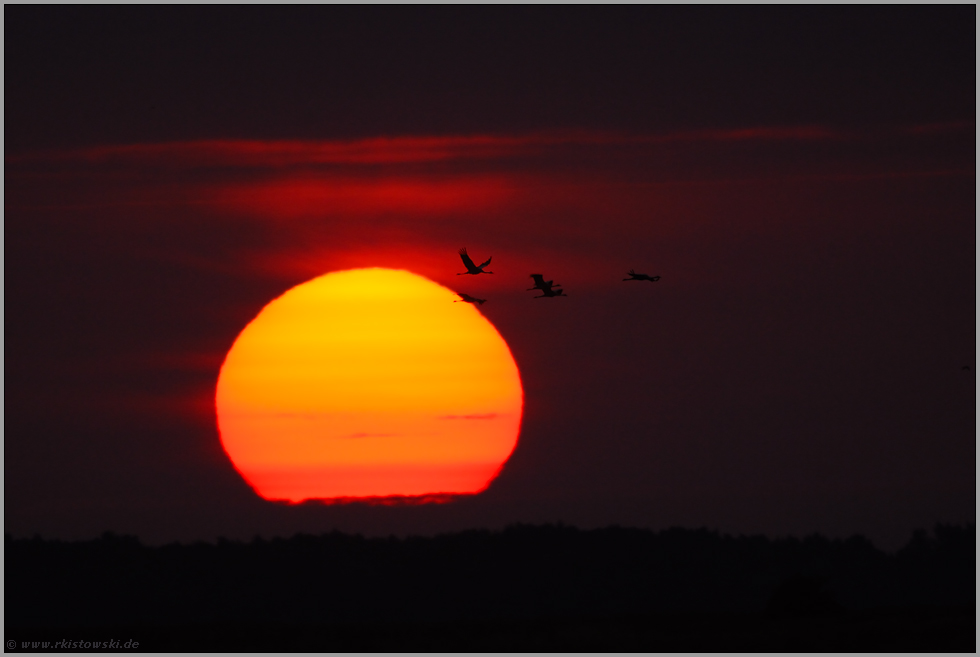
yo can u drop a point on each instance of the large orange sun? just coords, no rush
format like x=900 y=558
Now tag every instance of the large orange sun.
x=368 y=383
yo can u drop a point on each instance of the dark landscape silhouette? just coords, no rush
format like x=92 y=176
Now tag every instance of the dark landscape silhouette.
x=550 y=587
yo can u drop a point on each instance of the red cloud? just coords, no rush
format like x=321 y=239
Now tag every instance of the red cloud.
x=324 y=196
x=396 y=150
x=249 y=153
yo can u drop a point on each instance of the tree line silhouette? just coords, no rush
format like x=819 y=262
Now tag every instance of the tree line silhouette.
x=518 y=574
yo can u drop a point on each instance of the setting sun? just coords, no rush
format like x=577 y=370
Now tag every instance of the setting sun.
x=368 y=383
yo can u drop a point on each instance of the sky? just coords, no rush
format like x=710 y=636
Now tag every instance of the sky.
x=801 y=178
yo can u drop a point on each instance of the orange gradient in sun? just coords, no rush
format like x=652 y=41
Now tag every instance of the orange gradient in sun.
x=368 y=383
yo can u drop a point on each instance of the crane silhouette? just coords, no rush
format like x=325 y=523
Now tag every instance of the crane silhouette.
x=551 y=292
x=470 y=267
x=633 y=276
x=540 y=283
x=468 y=299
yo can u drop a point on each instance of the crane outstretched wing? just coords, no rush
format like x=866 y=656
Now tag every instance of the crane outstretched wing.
x=470 y=299
x=467 y=261
x=487 y=262
x=538 y=280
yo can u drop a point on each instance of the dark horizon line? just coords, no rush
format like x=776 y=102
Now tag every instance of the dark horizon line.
x=917 y=535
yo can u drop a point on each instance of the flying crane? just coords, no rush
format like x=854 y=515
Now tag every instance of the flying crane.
x=633 y=276
x=470 y=267
x=551 y=292
x=540 y=283
x=468 y=299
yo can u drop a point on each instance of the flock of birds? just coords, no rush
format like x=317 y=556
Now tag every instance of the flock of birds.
x=547 y=288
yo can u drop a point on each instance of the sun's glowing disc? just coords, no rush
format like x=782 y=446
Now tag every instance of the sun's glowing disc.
x=368 y=383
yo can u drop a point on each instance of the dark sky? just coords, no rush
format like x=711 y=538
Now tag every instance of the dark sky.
x=802 y=178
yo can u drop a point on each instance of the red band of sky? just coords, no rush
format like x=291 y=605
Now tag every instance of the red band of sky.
x=420 y=149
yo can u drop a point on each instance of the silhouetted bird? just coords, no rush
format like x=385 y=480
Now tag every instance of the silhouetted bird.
x=468 y=299
x=633 y=276
x=549 y=292
x=470 y=267
x=540 y=283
